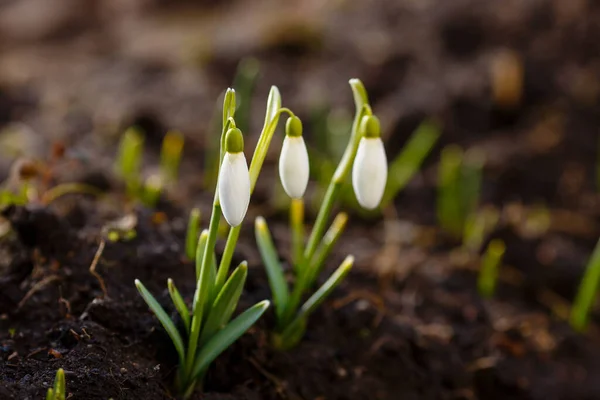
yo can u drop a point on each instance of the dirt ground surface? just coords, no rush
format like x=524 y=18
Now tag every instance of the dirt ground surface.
x=408 y=323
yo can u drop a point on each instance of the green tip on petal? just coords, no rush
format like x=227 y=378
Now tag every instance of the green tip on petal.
x=293 y=127
x=234 y=141
x=370 y=126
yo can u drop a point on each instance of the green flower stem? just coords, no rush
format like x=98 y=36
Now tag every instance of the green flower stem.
x=361 y=102
x=362 y=108
x=297 y=227
x=274 y=110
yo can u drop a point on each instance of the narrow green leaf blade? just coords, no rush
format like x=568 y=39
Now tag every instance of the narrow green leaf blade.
x=271 y=120
x=191 y=238
x=277 y=282
x=325 y=247
x=334 y=280
x=221 y=341
x=200 y=248
x=225 y=303
x=179 y=303
x=164 y=319
x=410 y=159
x=50 y=394
x=294 y=331
x=488 y=273
x=587 y=292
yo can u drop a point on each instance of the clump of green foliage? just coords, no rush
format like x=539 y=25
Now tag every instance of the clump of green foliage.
x=291 y=308
x=208 y=328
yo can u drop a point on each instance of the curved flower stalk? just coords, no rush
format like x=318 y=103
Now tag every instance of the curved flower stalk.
x=309 y=257
x=209 y=329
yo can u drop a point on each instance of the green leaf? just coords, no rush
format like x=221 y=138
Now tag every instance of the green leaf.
x=277 y=282
x=213 y=263
x=471 y=179
x=222 y=340
x=225 y=303
x=163 y=318
x=170 y=156
x=50 y=395
x=450 y=199
x=203 y=287
x=200 y=251
x=334 y=280
x=410 y=159
x=587 y=292
x=271 y=120
x=228 y=106
x=129 y=158
x=60 y=387
x=488 y=273
x=295 y=329
x=179 y=303
x=325 y=247
x=191 y=238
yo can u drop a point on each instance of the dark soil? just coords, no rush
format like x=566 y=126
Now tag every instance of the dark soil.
x=408 y=323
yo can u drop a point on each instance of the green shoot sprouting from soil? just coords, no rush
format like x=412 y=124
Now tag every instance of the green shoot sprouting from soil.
x=208 y=328
x=129 y=160
x=587 y=292
x=191 y=237
x=365 y=155
x=59 y=391
x=459 y=191
x=409 y=161
x=490 y=263
x=170 y=155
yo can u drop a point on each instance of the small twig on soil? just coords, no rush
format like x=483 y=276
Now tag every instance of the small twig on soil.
x=376 y=301
x=65 y=302
x=37 y=287
x=95 y=263
x=279 y=386
x=36 y=351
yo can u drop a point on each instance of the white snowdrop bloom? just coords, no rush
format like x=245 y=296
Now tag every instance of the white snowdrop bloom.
x=369 y=172
x=293 y=162
x=234 y=180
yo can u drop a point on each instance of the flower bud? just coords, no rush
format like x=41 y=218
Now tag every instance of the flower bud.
x=369 y=172
x=294 y=166
x=234 y=179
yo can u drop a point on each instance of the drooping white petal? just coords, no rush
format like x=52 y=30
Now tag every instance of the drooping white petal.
x=369 y=172
x=234 y=187
x=293 y=166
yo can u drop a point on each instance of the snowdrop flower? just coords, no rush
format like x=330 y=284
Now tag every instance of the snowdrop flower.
x=293 y=161
x=369 y=172
x=234 y=179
